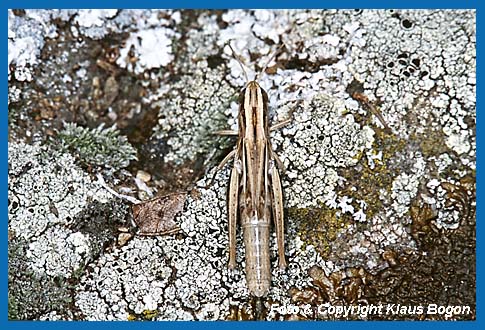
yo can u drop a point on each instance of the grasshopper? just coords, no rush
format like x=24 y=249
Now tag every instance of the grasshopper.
x=254 y=193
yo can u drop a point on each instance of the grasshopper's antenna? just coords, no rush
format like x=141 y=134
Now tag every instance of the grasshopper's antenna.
x=238 y=61
x=269 y=61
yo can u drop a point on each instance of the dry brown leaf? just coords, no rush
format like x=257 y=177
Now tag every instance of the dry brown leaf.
x=156 y=216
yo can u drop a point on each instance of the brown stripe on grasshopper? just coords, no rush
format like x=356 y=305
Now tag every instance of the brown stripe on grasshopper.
x=255 y=195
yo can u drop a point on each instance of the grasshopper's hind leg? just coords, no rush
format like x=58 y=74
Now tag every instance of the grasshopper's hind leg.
x=278 y=216
x=232 y=210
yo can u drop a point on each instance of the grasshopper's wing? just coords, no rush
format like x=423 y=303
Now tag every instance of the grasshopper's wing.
x=278 y=216
x=232 y=210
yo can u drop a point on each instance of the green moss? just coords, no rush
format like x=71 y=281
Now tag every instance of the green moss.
x=13 y=114
x=431 y=142
x=370 y=181
x=319 y=226
x=13 y=308
x=100 y=147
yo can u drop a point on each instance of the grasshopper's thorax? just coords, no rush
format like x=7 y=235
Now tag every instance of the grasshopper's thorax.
x=254 y=110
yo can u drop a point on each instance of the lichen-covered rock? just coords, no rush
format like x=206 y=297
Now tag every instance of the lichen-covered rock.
x=380 y=158
x=59 y=221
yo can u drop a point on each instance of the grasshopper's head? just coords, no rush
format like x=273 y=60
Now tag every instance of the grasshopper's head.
x=253 y=96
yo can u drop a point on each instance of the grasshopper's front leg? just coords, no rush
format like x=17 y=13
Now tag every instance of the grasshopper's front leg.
x=283 y=123
x=278 y=216
x=232 y=209
x=278 y=161
x=226 y=132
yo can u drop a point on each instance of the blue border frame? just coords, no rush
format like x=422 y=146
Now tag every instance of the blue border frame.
x=249 y=4
x=421 y=4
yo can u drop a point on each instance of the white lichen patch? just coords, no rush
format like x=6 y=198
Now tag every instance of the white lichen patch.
x=263 y=24
x=46 y=192
x=321 y=139
x=26 y=37
x=193 y=109
x=151 y=41
x=60 y=254
x=404 y=189
x=459 y=143
x=405 y=186
x=422 y=75
x=451 y=208
x=125 y=281
x=152 y=48
x=98 y=23
x=94 y=17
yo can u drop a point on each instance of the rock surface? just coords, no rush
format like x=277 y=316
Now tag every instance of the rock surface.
x=110 y=107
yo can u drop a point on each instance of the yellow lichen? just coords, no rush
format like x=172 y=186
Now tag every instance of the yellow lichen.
x=319 y=226
x=149 y=314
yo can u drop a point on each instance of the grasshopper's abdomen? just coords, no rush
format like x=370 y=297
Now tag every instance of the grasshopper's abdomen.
x=256 y=242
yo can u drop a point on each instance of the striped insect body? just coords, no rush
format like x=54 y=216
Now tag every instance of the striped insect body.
x=255 y=197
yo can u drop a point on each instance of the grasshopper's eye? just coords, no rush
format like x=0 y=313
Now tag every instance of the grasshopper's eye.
x=241 y=96
x=265 y=96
